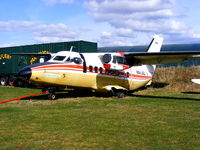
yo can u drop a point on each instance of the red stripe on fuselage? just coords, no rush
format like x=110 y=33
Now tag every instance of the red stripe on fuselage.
x=80 y=69
x=62 y=66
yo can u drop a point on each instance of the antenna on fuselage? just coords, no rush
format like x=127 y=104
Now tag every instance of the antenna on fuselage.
x=71 y=48
x=70 y=51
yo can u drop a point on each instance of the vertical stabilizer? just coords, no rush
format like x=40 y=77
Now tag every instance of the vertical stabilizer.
x=155 y=44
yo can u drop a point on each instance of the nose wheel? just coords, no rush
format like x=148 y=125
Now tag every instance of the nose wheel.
x=52 y=96
x=51 y=93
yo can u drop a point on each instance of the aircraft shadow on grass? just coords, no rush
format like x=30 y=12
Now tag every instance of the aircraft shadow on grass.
x=67 y=95
x=77 y=94
x=159 y=85
x=188 y=92
x=162 y=85
x=167 y=97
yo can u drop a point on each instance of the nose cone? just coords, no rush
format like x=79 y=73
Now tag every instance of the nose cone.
x=25 y=73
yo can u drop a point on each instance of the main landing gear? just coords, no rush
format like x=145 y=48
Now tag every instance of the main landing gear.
x=118 y=93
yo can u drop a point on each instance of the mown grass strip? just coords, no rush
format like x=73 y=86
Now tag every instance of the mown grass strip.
x=149 y=120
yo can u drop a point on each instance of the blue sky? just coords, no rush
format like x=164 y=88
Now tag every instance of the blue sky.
x=107 y=22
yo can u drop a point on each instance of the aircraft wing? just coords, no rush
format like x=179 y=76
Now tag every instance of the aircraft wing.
x=153 y=58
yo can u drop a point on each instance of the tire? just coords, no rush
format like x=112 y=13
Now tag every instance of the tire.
x=11 y=82
x=120 y=94
x=52 y=96
x=3 y=81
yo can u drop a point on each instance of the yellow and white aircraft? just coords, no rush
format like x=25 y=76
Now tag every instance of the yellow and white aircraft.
x=101 y=72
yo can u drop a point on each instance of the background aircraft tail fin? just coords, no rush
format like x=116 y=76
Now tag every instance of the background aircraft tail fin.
x=155 y=44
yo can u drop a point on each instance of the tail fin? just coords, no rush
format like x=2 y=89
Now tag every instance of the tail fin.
x=155 y=44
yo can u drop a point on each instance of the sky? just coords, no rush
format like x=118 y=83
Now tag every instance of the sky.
x=107 y=22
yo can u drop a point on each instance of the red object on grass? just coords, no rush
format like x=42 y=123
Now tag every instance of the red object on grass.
x=15 y=99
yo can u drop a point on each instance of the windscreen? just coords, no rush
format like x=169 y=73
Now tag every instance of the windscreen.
x=59 y=58
x=119 y=60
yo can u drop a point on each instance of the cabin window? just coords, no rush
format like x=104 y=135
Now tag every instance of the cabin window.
x=68 y=59
x=96 y=69
x=90 y=68
x=77 y=60
x=101 y=70
x=59 y=58
x=127 y=74
x=114 y=59
x=106 y=58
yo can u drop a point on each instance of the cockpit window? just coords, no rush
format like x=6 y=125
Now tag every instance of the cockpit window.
x=59 y=58
x=114 y=59
x=119 y=60
x=68 y=59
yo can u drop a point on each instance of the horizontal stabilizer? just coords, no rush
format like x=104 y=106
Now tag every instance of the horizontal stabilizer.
x=153 y=58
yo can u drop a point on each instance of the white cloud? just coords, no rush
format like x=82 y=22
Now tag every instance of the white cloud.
x=54 y=2
x=40 y=32
x=133 y=17
x=6 y=45
x=116 y=38
x=9 y=26
x=127 y=6
x=53 y=31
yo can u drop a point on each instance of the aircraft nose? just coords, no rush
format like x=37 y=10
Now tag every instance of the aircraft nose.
x=25 y=73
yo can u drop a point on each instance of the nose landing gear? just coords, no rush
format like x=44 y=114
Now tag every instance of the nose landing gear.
x=51 y=93
x=52 y=96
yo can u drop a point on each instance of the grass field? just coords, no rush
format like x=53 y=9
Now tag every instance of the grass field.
x=156 y=118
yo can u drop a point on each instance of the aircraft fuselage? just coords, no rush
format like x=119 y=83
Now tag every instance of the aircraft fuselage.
x=86 y=70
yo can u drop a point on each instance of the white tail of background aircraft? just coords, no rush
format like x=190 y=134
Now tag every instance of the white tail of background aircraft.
x=197 y=81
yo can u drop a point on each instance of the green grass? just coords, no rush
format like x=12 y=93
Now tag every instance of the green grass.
x=151 y=119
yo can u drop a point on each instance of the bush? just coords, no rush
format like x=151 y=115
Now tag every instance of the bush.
x=178 y=78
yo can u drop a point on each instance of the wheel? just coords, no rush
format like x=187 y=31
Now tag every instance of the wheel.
x=3 y=81
x=52 y=96
x=120 y=94
x=19 y=83
x=11 y=82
